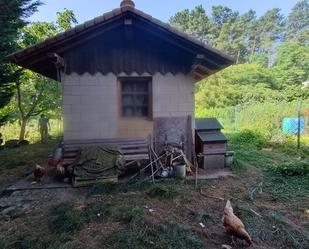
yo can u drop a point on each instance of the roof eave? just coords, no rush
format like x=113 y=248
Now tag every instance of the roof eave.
x=23 y=55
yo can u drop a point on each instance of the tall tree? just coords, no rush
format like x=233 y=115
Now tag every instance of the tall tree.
x=298 y=23
x=195 y=22
x=221 y=16
x=292 y=64
x=36 y=94
x=65 y=19
x=234 y=35
x=12 y=18
x=268 y=31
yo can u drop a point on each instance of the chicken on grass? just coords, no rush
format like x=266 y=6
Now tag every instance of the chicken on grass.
x=233 y=225
x=39 y=172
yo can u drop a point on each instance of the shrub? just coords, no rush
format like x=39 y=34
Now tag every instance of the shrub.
x=296 y=168
x=249 y=138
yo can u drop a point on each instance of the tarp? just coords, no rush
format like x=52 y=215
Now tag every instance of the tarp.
x=98 y=161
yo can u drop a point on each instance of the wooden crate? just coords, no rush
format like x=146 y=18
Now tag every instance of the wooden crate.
x=83 y=182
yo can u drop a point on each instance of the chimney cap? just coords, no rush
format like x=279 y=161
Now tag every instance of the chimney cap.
x=127 y=3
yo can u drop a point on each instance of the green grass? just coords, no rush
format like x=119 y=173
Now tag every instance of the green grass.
x=65 y=218
x=272 y=227
x=163 y=191
x=26 y=155
x=103 y=188
x=11 y=130
x=96 y=212
x=266 y=117
x=127 y=214
x=133 y=226
x=284 y=175
x=141 y=234
x=293 y=238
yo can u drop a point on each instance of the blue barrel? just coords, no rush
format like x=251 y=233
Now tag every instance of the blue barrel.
x=290 y=126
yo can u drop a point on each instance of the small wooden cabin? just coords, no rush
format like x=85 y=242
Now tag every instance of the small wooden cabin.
x=125 y=75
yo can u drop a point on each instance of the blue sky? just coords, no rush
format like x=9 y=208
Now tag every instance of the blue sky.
x=162 y=9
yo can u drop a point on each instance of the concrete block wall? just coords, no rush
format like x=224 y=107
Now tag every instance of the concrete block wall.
x=91 y=111
x=173 y=95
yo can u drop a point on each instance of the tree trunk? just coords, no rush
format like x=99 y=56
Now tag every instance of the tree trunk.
x=238 y=55
x=23 y=129
x=253 y=49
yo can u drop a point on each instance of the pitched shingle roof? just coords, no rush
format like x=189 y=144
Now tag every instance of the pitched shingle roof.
x=21 y=56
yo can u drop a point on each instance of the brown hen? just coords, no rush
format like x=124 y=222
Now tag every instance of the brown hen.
x=39 y=172
x=233 y=225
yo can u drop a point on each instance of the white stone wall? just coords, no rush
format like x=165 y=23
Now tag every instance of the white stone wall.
x=91 y=111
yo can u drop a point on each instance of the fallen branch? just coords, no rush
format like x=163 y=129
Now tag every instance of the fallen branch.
x=256 y=213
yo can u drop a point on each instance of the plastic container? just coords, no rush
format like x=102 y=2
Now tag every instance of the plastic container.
x=58 y=152
x=179 y=171
x=229 y=158
x=290 y=126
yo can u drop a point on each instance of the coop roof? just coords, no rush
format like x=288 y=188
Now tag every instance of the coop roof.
x=202 y=58
x=212 y=136
x=207 y=124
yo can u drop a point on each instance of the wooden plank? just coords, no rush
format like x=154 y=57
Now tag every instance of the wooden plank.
x=136 y=157
x=135 y=151
x=83 y=183
x=70 y=155
x=68 y=161
x=133 y=146
x=105 y=144
x=71 y=149
x=112 y=140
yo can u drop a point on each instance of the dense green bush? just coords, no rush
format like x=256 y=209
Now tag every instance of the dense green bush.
x=297 y=168
x=249 y=138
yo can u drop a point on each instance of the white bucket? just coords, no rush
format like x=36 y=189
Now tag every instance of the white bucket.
x=229 y=158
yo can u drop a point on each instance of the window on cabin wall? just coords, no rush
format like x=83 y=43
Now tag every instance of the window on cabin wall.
x=135 y=97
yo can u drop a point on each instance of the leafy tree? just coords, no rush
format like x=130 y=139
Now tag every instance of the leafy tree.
x=298 y=23
x=195 y=22
x=222 y=15
x=268 y=30
x=236 y=84
x=12 y=18
x=65 y=20
x=233 y=37
x=292 y=64
x=242 y=36
x=36 y=94
x=272 y=70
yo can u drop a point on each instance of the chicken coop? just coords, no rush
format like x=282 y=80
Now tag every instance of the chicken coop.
x=210 y=143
